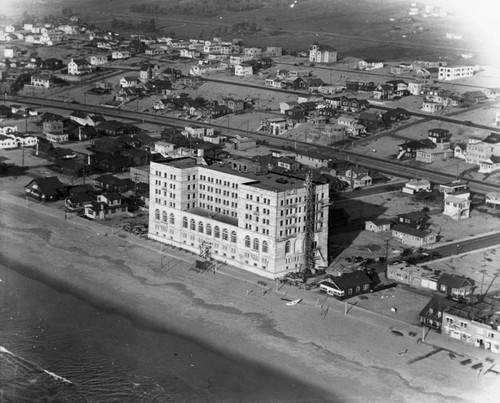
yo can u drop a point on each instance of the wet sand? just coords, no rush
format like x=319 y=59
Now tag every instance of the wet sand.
x=346 y=358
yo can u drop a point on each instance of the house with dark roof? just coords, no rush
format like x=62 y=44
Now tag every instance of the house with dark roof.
x=46 y=189
x=111 y=183
x=106 y=205
x=413 y=237
x=78 y=201
x=347 y=285
x=455 y=286
x=415 y=219
x=112 y=128
x=432 y=314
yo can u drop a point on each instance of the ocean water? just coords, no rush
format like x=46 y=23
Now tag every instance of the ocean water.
x=55 y=347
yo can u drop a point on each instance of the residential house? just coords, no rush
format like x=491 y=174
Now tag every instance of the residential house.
x=431 y=107
x=7 y=142
x=399 y=87
x=432 y=314
x=453 y=187
x=322 y=53
x=491 y=164
x=415 y=88
x=371 y=120
x=429 y=155
x=413 y=237
x=378 y=225
x=457 y=207
x=243 y=69
x=111 y=183
x=353 y=104
x=460 y=151
x=493 y=200
x=77 y=201
x=455 y=286
x=360 y=86
x=347 y=285
x=41 y=80
x=410 y=148
x=312 y=159
x=356 y=177
x=120 y=54
x=383 y=91
x=97 y=60
x=416 y=186
x=276 y=126
x=79 y=67
x=474 y=97
x=128 y=82
x=415 y=219
x=106 y=206
x=112 y=128
x=46 y=189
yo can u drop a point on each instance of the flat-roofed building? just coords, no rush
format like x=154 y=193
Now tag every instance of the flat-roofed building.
x=253 y=221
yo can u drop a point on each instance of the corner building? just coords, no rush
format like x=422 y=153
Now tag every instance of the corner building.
x=256 y=222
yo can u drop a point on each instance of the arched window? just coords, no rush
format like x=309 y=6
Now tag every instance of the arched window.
x=209 y=229
x=193 y=224
x=164 y=216
x=217 y=232
x=247 y=241
x=172 y=218
x=265 y=247
x=287 y=247
x=200 y=226
x=184 y=222
x=157 y=214
x=233 y=236
x=255 y=244
x=225 y=234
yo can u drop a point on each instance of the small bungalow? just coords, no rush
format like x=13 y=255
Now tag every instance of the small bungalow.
x=378 y=225
x=113 y=184
x=415 y=219
x=347 y=285
x=413 y=237
x=455 y=286
x=46 y=189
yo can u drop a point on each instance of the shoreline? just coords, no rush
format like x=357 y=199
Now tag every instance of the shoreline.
x=346 y=357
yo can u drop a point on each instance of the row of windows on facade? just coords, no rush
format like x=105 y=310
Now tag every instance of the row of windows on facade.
x=255 y=245
x=257 y=199
x=165 y=184
x=211 y=189
x=165 y=175
x=217 y=181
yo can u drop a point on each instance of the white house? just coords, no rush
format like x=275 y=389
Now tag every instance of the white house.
x=416 y=185
x=322 y=54
x=457 y=207
x=79 y=67
x=243 y=70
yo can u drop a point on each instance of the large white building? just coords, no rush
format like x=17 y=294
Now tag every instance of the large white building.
x=254 y=221
x=447 y=73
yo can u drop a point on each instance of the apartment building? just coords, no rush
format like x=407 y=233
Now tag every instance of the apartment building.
x=448 y=73
x=255 y=221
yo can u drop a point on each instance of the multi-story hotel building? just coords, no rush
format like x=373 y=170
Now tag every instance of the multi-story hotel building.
x=254 y=221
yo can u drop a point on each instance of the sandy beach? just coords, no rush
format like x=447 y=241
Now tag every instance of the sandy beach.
x=344 y=358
